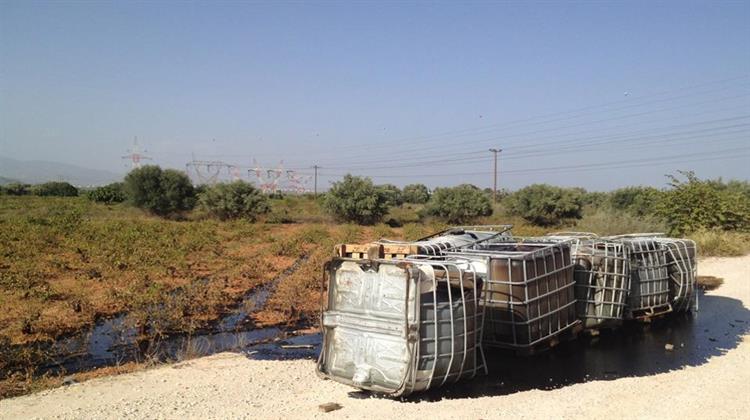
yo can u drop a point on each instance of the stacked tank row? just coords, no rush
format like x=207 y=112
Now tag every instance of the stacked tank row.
x=401 y=317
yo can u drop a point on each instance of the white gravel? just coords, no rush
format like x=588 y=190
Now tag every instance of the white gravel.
x=231 y=386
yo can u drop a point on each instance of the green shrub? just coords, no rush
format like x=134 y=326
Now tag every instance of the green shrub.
x=638 y=200
x=594 y=198
x=545 y=205
x=108 y=194
x=459 y=204
x=16 y=188
x=280 y=216
x=162 y=192
x=392 y=194
x=234 y=200
x=693 y=204
x=54 y=189
x=416 y=194
x=356 y=199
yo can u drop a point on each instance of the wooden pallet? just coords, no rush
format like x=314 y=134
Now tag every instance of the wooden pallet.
x=646 y=315
x=375 y=251
x=569 y=334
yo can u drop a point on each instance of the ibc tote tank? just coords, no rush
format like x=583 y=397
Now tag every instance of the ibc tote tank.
x=397 y=327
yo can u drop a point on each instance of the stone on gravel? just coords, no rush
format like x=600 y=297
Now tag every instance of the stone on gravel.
x=329 y=407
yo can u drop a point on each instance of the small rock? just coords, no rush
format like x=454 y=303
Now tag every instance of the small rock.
x=68 y=380
x=329 y=407
x=669 y=347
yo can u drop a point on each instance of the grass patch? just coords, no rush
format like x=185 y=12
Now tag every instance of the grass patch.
x=617 y=223
x=717 y=243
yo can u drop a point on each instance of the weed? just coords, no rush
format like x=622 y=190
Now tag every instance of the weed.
x=712 y=243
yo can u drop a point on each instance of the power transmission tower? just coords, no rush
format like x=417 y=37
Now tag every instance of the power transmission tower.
x=315 y=190
x=135 y=155
x=207 y=172
x=494 y=178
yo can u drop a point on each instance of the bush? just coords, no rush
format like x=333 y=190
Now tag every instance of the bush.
x=16 y=188
x=356 y=199
x=594 y=199
x=693 y=204
x=234 y=200
x=545 y=205
x=639 y=200
x=416 y=194
x=459 y=204
x=108 y=194
x=54 y=189
x=392 y=194
x=162 y=192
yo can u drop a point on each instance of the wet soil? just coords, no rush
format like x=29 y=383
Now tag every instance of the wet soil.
x=636 y=349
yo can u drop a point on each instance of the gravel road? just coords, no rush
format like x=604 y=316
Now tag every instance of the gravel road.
x=230 y=385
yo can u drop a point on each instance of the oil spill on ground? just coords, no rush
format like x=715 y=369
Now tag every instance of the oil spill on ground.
x=634 y=350
x=116 y=340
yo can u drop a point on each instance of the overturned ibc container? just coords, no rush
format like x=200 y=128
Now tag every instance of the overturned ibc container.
x=649 y=277
x=602 y=278
x=528 y=292
x=681 y=268
x=401 y=326
x=435 y=244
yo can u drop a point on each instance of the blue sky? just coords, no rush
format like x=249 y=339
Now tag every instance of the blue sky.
x=598 y=95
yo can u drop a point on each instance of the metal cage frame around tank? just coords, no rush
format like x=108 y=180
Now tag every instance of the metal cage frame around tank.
x=432 y=245
x=415 y=328
x=602 y=274
x=649 y=275
x=682 y=268
x=562 y=263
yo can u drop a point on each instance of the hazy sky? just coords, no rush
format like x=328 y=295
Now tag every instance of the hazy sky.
x=592 y=94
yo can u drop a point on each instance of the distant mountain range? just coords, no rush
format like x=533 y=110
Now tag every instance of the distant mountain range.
x=35 y=172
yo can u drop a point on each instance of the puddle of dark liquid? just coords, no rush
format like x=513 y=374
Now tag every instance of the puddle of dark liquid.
x=115 y=340
x=633 y=350
x=298 y=347
x=255 y=299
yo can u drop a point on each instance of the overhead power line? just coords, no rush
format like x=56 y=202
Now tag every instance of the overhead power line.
x=700 y=156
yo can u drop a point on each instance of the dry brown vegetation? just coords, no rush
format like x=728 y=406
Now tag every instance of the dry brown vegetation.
x=66 y=262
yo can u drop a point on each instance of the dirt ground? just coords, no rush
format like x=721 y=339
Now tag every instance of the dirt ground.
x=232 y=386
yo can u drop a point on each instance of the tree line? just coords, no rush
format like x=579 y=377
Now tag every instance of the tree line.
x=686 y=204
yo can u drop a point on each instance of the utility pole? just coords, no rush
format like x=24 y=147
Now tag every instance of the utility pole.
x=315 y=191
x=494 y=178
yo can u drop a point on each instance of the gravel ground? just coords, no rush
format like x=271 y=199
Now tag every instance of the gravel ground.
x=230 y=385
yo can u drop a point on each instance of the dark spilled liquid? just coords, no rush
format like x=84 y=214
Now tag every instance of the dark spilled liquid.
x=673 y=342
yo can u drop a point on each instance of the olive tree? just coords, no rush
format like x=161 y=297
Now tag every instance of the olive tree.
x=356 y=199
x=162 y=192
x=546 y=205
x=234 y=200
x=416 y=194
x=459 y=204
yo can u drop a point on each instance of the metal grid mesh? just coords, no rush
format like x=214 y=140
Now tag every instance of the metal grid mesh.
x=681 y=260
x=455 y=237
x=528 y=292
x=418 y=333
x=602 y=281
x=649 y=277
x=601 y=275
